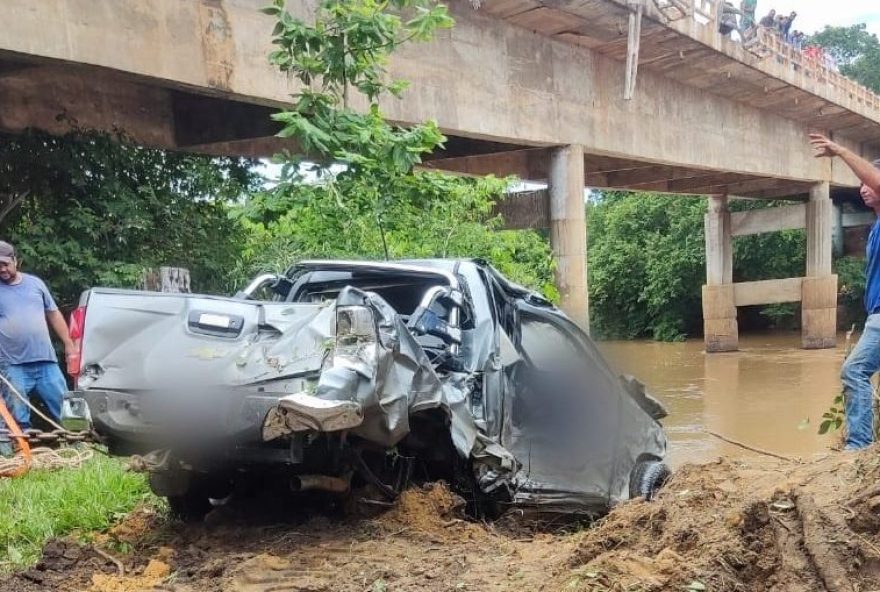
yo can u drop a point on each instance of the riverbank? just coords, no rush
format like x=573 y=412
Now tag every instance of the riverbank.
x=758 y=524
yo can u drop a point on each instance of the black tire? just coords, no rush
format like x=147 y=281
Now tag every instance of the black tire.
x=190 y=507
x=648 y=477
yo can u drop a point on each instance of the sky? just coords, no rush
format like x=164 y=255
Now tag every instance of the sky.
x=813 y=15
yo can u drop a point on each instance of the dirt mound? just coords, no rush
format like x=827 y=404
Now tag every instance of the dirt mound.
x=749 y=526
x=155 y=572
x=730 y=526
x=432 y=509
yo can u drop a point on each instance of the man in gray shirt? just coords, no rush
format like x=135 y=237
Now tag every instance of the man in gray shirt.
x=27 y=358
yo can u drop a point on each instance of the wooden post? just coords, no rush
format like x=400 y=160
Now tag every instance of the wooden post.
x=720 y=328
x=568 y=231
x=632 y=48
x=167 y=279
x=819 y=290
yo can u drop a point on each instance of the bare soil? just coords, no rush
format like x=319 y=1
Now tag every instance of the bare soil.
x=755 y=525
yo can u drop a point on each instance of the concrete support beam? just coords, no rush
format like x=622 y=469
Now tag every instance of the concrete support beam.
x=568 y=231
x=820 y=223
x=768 y=220
x=819 y=305
x=720 y=328
x=719 y=250
x=529 y=164
x=768 y=292
x=819 y=312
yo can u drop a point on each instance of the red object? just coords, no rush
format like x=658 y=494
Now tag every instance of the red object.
x=77 y=330
x=23 y=448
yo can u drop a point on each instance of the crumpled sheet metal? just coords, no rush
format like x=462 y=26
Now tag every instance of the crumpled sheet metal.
x=382 y=383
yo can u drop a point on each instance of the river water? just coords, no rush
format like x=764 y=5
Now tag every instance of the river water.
x=771 y=394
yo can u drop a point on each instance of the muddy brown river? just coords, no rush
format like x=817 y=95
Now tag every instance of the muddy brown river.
x=770 y=394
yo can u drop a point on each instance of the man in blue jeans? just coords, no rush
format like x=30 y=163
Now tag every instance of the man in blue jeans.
x=864 y=361
x=27 y=358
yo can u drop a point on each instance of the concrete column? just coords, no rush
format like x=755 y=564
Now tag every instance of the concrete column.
x=568 y=231
x=839 y=234
x=820 y=223
x=819 y=290
x=720 y=329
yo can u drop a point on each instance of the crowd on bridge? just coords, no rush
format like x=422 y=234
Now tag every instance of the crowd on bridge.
x=744 y=21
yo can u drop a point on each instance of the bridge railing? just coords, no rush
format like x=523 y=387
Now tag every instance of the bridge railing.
x=771 y=45
x=814 y=66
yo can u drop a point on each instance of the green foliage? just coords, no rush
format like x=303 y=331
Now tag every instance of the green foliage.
x=100 y=210
x=770 y=256
x=375 y=205
x=443 y=217
x=46 y=504
x=852 y=281
x=856 y=50
x=782 y=316
x=833 y=419
x=348 y=46
x=647 y=265
x=767 y=256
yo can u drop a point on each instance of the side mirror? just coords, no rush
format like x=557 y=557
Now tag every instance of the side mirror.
x=636 y=390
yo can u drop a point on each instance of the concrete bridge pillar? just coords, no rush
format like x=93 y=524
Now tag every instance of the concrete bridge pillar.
x=568 y=231
x=720 y=328
x=819 y=289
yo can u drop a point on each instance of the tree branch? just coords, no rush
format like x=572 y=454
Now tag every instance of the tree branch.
x=10 y=202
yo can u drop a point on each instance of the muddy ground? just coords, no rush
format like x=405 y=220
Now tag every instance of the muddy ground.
x=754 y=525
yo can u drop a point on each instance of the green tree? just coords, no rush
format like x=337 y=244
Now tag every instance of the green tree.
x=375 y=204
x=98 y=210
x=856 y=50
x=452 y=218
x=647 y=265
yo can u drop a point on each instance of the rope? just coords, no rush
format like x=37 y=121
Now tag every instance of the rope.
x=27 y=402
x=47 y=459
x=37 y=458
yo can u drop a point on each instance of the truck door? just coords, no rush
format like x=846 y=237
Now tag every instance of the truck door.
x=564 y=412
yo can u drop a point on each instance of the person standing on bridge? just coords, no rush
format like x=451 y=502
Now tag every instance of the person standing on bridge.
x=769 y=20
x=27 y=358
x=747 y=28
x=864 y=361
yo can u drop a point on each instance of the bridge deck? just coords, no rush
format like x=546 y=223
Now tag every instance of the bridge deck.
x=778 y=79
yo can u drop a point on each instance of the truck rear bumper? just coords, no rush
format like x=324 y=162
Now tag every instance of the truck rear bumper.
x=132 y=418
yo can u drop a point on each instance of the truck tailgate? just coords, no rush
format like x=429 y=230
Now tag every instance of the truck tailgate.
x=133 y=339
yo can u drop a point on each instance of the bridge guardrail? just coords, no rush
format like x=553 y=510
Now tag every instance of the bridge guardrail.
x=770 y=45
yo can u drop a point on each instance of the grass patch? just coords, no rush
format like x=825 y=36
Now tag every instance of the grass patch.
x=46 y=504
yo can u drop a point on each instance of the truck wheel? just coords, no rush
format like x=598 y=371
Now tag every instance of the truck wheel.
x=647 y=478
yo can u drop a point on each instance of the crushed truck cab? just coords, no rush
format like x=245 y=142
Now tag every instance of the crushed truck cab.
x=340 y=375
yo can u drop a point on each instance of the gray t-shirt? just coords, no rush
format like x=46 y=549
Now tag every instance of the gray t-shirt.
x=24 y=332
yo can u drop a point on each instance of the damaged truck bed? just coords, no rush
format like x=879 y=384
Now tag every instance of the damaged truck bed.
x=357 y=377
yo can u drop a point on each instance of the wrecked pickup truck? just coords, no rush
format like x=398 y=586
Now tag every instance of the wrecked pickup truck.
x=348 y=376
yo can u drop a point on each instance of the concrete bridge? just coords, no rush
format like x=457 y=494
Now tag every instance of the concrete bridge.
x=534 y=88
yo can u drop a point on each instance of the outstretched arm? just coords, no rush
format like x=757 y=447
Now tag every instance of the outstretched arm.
x=864 y=170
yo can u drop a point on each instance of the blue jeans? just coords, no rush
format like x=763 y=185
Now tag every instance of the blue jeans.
x=863 y=362
x=44 y=378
